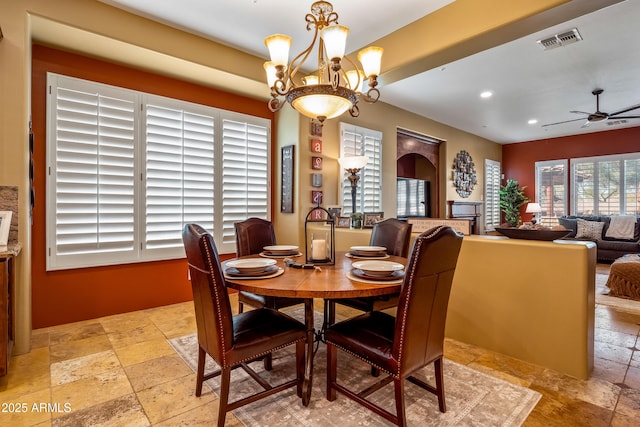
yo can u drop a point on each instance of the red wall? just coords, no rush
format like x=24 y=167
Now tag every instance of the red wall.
x=518 y=160
x=79 y=294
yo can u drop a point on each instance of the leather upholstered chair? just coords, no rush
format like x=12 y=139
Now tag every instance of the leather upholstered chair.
x=414 y=338
x=234 y=341
x=394 y=235
x=252 y=235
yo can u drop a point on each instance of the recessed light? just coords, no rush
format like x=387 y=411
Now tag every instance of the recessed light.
x=486 y=94
x=533 y=121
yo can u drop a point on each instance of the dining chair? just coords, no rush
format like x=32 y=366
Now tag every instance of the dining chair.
x=394 y=235
x=252 y=235
x=402 y=345
x=234 y=341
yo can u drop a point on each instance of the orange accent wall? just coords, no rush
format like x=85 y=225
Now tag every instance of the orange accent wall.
x=79 y=294
x=518 y=160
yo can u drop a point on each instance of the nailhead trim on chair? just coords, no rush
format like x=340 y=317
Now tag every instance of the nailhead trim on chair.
x=394 y=375
x=254 y=356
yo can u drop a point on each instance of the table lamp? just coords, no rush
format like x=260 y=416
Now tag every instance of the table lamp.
x=535 y=209
x=353 y=165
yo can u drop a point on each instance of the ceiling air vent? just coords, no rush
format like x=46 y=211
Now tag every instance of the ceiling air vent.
x=616 y=122
x=561 y=39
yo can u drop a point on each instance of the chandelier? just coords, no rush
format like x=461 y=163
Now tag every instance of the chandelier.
x=333 y=88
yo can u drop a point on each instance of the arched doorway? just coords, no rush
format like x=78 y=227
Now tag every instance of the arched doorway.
x=418 y=158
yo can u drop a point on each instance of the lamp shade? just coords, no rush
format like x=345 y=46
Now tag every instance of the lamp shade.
x=278 y=45
x=533 y=208
x=355 y=79
x=371 y=59
x=353 y=162
x=270 y=69
x=335 y=40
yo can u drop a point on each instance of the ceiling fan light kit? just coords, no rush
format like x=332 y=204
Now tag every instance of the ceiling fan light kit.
x=333 y=88
x=598 y=115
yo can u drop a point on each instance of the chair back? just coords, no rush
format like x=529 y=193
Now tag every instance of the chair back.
x=210 y=299
x=252 y=235
x=393 y=234
x=424 y=297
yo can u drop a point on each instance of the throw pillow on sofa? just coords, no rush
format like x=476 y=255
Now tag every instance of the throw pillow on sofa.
x=569 y=224
x=589 y=230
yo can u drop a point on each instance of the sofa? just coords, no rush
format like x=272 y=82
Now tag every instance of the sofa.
x=596 y=228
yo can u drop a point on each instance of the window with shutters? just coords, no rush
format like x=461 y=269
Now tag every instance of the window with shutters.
x=127 y=170
x=491 y=194
x=358 y=141
x=551 y=190
x=606 y=185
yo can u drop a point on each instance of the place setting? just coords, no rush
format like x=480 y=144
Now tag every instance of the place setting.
x=280 y=251
x=252 y=268
x=376 y=271
x=368 y=252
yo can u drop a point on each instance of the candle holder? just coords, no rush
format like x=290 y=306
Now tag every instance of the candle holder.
x=319 y=236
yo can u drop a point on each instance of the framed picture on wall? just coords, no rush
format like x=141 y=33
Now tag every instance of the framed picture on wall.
x=286 y=190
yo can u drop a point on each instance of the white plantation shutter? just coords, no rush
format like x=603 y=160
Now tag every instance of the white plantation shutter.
x=491 y=194
x=245 y=171
x=179 y=172
x=91 y=173
x=128 y=170
x=355 y=140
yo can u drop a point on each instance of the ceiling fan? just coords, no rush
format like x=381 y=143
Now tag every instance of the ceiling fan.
x=599 y=115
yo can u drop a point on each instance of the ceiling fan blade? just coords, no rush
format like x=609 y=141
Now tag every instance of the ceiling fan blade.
x=635 y=107
x=579 y=112
x=566 y=121
x=623 y=117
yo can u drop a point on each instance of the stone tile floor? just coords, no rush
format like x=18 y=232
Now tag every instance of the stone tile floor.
x=120 y=370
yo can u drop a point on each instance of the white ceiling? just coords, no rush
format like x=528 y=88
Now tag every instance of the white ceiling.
x=527 y=82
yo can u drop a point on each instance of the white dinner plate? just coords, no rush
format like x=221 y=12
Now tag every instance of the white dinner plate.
x=281 y=249
x=250 y=265
x=378 y=268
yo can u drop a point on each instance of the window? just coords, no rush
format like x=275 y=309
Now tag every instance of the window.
x=357 y=141
x=606 y=185
x=491 y=194
x=551 y=190
x=127 y=170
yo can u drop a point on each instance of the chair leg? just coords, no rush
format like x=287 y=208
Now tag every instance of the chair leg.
x=225 y=379
x=399 y=393
x=268 y=362
x=332 y=371
x=240 y=307
x=375 y=372
x=200 y=372
x=439 y=374
x=300 y=361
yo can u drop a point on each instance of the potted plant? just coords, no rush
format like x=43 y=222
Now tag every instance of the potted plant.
x=356 y=220
x=511 y=199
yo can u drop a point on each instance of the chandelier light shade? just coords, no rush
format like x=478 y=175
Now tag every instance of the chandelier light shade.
x=337 y=83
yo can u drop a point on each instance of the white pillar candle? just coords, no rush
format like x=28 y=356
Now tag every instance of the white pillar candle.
x=318 y=249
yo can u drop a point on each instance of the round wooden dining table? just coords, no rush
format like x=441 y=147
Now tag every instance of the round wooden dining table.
x=328 y=281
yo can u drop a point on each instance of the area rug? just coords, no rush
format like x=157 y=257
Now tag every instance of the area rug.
x=473 y=398
x=603 y=297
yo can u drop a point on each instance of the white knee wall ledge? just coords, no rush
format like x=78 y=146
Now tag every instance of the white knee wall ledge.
x=531 y=300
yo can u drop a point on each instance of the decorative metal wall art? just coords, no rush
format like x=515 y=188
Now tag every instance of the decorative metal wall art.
x=464 y=174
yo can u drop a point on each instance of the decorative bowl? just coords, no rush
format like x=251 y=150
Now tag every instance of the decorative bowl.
x=527 y=234
x=251 y=265
x=378 y=268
